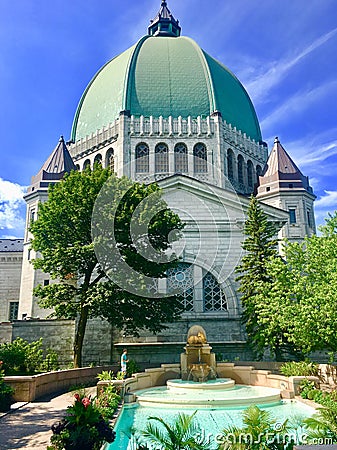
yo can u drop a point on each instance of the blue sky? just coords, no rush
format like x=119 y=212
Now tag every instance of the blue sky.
x=284 y=52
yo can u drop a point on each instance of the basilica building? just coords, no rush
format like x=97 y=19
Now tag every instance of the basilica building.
x=166 y=111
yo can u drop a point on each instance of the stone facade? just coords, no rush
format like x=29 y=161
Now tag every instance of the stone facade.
x=10 y=276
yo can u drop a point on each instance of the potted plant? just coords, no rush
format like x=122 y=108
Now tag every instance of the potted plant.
x=83 y=427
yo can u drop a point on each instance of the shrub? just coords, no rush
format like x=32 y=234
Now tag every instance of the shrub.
x=106 y=375
x=6 y=392
x=108 y=401
x=22 y=357
x=301 y=368
x=83 y=427
x=132 y=367
x=323 y=425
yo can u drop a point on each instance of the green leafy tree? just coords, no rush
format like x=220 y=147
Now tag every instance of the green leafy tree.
x=259 y=246
x=298 y=303
x=62 y=234
x=183 y=434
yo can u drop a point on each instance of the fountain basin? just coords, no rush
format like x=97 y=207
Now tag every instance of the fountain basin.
x=182 y=385
x=194 y=397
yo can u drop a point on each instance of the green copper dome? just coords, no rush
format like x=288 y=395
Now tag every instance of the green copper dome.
x=164 y=76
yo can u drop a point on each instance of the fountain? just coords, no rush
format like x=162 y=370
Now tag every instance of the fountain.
x=217 y=402
x=197 y=363
x=199 y=385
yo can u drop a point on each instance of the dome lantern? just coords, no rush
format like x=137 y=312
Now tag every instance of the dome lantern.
x=164 y=24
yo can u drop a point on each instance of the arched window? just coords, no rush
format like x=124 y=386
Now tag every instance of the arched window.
x=142 y=158
x=77 y=167
x=214 y=297
x=180 y=159
x=180 y=282
x=161 y=162
x=258 y=171
x=98 y=159
x=240 y=169
x=110 y=160
x=200 y=158
x=230 y=164
x=250 y=169
x=86 y=164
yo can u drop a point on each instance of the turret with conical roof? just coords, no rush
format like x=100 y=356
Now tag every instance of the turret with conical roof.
x=57 y=165
x=281 y=173
x=52 y=171
x=283 y=185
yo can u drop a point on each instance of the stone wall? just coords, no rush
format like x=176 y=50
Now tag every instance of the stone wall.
x=58 y=335
x=10 y=275
x=6 y=330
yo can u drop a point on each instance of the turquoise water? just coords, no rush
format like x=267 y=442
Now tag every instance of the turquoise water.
x=134 y=417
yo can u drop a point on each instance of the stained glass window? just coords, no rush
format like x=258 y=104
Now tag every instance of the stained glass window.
x=161 y=159
x=180 y=159
x=142 y=158
x=180 y=281
x=200 y=158
x=214 y=297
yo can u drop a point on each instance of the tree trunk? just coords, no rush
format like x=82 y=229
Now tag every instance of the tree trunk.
x=79 y=336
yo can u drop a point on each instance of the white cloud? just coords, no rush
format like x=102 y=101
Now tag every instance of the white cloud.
x=326 y=204
x=260 y=86
x=12 y=206
x=328 y=200
x=298 y=103
x=312 y=149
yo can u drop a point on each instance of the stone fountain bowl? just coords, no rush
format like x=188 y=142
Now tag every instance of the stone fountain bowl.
x=210 y=385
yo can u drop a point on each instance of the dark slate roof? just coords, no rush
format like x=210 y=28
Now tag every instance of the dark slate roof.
x=60 y=160
x=281 y=173
x=11 y=245
x=58 y=163
x=280 y=162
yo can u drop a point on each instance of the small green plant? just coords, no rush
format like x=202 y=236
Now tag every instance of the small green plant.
x=50 y=362
x=108 y=401
x=120 y=375
x=83 y=427
x=298 y=369
x=323 y=424
x=6 y=392
x=132 y=367
x=106 y=375
x=183 y=434
x=262 y=431
x=306 y=388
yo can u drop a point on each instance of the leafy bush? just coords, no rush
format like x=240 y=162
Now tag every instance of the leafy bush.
x=83 y=427
x=6 y=392
x=298 y=369
x=263 y=431
x=309 y=391
x=132 y=367
x=108 y=401
x=182 y=434
x=323 y=424
x=106 y=375
x=22 y=357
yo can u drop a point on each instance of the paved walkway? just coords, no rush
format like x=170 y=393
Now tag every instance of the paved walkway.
x=29 y=426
